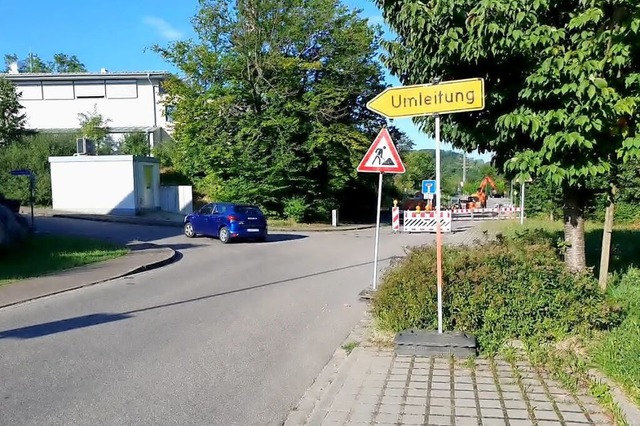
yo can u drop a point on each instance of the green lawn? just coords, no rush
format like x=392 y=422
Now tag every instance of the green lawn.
x=625 y=243
x=617 y=351
x=44 y=254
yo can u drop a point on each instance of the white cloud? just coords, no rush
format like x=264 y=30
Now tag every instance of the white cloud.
x=163 y=27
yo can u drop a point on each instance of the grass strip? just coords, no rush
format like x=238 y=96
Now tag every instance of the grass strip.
x=45 y=254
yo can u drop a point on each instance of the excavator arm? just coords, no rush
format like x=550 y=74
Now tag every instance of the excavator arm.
x=485 y=181
x=482 y=196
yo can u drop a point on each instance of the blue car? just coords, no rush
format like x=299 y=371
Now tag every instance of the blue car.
x=227 y=221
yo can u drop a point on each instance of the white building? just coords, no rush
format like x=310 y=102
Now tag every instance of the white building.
x=108 y=184
x=131 y=101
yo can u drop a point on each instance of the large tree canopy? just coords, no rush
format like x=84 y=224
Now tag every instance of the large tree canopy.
x=270 y=105
x=562 y=80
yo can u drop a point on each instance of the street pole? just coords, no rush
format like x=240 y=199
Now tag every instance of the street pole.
x=464 y=167
x=31 y=199
x=438 y=227
x=375 y=250
x=511 y=193
x=522 y=204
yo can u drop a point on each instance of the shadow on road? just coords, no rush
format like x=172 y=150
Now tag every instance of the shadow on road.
x=40 y=330
x=276 y=238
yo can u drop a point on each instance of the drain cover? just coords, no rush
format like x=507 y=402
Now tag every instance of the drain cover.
x=432 y=343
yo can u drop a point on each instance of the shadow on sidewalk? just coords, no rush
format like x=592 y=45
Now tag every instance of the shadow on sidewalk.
x=40 y=330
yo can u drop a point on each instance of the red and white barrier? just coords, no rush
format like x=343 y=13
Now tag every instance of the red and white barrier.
x=395 y=219
x=483 y=214
x=426 y=221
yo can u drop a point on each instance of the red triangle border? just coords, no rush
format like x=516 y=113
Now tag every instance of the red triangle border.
x=399 y=168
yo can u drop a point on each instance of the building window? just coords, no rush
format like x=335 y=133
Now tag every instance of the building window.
x=122 y=89
x=89 y=89
x=168 y=113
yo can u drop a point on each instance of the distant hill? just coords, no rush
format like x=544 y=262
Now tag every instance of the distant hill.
x=451 y=170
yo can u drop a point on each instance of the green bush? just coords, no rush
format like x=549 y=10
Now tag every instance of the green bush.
x=502 y=290
x=295 y=209
x=134 y=144
x=32 y=153
x=626 y=212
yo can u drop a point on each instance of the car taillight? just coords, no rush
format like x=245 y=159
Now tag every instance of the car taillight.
x=232 y=218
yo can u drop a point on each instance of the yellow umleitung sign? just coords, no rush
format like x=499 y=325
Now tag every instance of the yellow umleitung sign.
x=427 y=99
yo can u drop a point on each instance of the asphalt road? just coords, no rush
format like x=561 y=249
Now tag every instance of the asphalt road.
x=228 y=335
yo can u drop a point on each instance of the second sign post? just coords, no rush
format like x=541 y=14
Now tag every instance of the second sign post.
x=431 y=100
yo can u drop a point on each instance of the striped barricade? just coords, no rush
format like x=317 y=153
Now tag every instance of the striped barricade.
x=484 y=214
x=426 y=221
x=395 y=219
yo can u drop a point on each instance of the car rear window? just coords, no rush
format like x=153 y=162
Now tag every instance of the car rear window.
x=248 y=210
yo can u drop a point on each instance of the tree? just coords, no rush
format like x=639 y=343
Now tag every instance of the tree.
x=61 y=63
x=94 y=126
x=272 y=104
x=135 y=144
x=12 y=121
x=419 y=165
x=561 y=79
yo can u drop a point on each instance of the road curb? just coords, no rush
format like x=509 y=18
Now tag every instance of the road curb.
x=630 y=411
x=156 y=222
x=170 y=257
x=124 y=219
x=331 y=229
x=328 y=383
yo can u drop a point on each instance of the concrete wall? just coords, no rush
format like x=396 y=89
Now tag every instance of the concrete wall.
x=176 y=199
x=56 y=104
x=109 y=184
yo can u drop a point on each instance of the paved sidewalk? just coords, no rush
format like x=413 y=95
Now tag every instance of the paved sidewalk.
x=377 y=387
x=143 y=256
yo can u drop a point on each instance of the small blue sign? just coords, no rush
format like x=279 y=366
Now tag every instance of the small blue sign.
x=21 y=172
x=428 y=186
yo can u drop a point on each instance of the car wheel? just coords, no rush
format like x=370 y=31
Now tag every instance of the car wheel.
x=188 y=230
x=224 y=235
x=261 y=239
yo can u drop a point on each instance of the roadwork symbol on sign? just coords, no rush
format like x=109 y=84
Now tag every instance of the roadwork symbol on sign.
x=382 y=156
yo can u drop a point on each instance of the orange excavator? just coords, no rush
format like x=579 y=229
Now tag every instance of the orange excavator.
x=482 y=195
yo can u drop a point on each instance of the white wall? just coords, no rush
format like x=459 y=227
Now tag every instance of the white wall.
x=176 y=199
x=56 y=104
x=93 y=184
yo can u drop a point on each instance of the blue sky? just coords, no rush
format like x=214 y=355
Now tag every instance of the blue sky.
x=115 y=35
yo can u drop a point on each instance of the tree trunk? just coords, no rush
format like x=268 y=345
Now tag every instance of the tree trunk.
x=606 y=240
x=574 y=230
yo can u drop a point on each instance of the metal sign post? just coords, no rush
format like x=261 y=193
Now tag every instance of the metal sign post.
x=382 y=157
x=374 y=285
x=438 y=226
x=522 y=204
x=425 y=100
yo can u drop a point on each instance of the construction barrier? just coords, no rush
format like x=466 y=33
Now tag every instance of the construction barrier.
x=395 y=219
x=426 y=221
x=484 y=214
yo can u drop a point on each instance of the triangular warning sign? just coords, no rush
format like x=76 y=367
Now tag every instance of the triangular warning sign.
x=382 y=156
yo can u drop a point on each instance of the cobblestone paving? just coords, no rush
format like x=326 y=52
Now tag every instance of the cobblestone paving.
x=384 y=389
